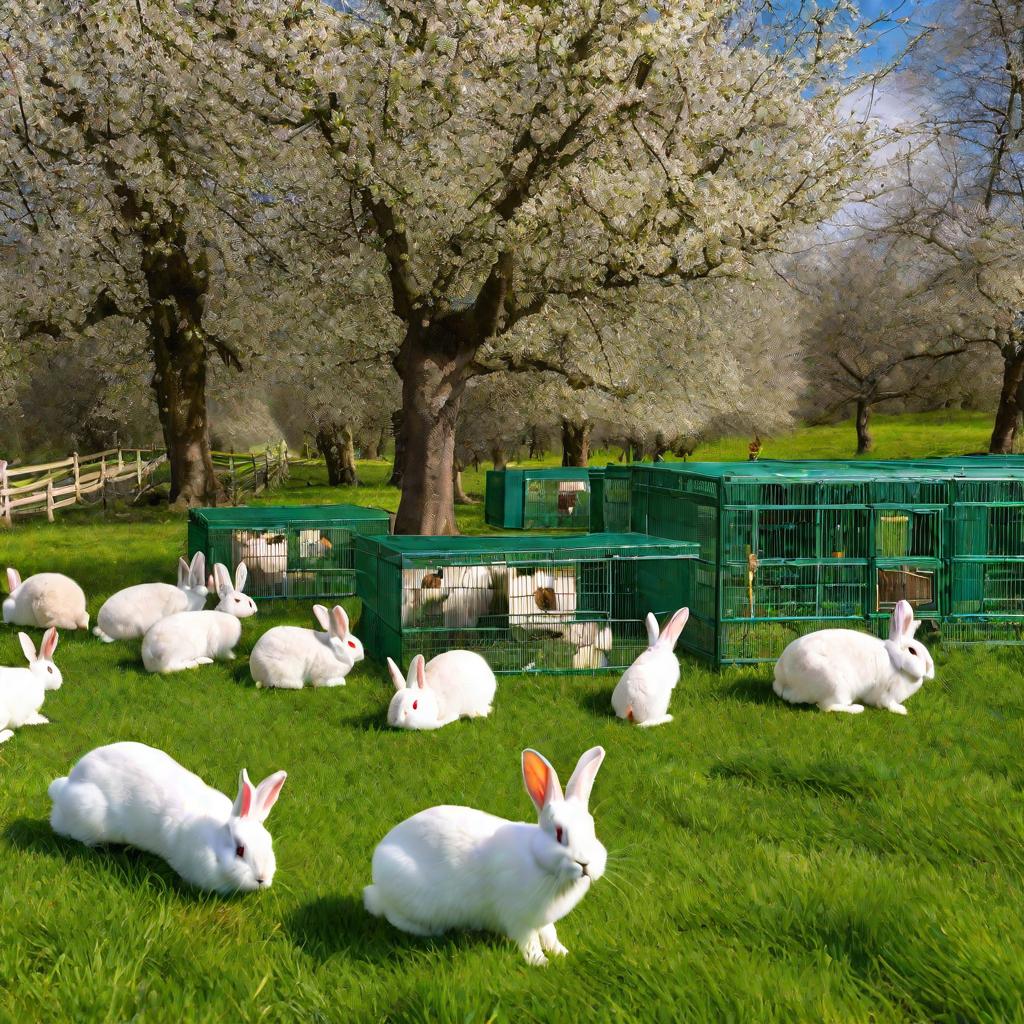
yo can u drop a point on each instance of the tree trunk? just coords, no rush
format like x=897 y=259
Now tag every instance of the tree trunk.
x=461 y=497
x=371 y=449
x=534 y=443
x=179 y=383
x=575 y=442
x=398 y=430
x=338 y=449
x=433 y=369
x=1009 y=409
x=865 y=442
x=499 y=459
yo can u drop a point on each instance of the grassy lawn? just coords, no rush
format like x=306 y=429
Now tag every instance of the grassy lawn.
x=767 y=863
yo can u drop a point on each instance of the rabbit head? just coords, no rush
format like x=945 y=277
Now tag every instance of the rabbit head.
x=232 y=600
x=41 y=665
x=244 y=851
x=909 y=656
x=666 y=639
x=565 y=846
x=414 y=706
x=346 y=647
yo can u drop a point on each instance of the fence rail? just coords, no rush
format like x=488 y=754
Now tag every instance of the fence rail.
x=51 y=486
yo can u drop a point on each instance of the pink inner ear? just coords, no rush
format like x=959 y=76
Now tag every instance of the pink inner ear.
x=267 y=801
x=49 y=643
x=13 y=580
x=421 y=672
x=246 y=800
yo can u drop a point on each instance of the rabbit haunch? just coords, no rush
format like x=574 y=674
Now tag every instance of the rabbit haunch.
x=842 y=669
x=457 y=867
x=44 y=600
x=189 y=639
x=137 y=795
x=287 y=657
x=23 y=690
x=129 y=613
x=456 y=684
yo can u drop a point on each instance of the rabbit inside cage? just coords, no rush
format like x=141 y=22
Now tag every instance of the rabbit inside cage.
x=538 y=602
x=266 y=556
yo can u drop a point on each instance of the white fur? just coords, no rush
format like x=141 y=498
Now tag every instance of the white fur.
x=466 y=593
x=267 y=560
x=44 y=600
x=456 y=684
x=23 y=690
x=457 y=867
x=139 y=796
x=189 y=639
x=842 y=669
x=523 y=609
x=129 y=613
x=288 y=657
x=643 y=693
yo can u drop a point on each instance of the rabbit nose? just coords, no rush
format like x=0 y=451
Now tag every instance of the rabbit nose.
x=261 y=881
x=583 y=865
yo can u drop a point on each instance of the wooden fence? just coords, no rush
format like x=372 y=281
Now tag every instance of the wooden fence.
x=52 y=486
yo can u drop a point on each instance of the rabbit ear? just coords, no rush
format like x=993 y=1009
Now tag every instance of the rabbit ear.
x=27 y=646
x=241 y=575
x=902 y=621
x=197 y=570
x=183 y=573
x=340 y=619
x=582 y=781
x=396 y=676
x=243 y=802
x=13 y=580
x=49 y=644
x=652 y=629
x=674 y=627
x=267 y=793
x=418 y=671
x=321 y=615
x=541 y=779
x=211 y=583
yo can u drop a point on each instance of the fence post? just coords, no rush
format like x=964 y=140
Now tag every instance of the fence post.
x=103 y=471
x=78 y=478
x=120 y=461
x=49 y=500
x=138 y=467
x=5 y=498
x=284 y=457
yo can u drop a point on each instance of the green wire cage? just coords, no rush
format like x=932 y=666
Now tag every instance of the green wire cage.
x=527 y=604
x=561 y=498
x=291 y=551
x=788 y=548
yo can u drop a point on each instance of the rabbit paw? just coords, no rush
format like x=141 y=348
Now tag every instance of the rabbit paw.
x=549 y=941
x=850 y=709
x=5 y=735
x=38 y=719
x=336 y=681
x=661 y=720
x=532 y=951
x=895 y=708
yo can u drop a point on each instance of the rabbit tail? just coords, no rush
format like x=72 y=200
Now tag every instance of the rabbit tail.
x=371 y=900
x=79 y=810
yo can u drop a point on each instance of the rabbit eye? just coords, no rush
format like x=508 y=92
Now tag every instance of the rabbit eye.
x=559 y=833
x=352 y=644
x=415 y=705
x=49 y=668
x=239 y=851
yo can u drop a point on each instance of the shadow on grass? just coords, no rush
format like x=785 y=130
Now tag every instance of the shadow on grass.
x=331 y=925
x=755 y=689
x=134 y=869
x=599 y=702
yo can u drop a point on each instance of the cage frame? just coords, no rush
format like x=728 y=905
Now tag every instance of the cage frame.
x=311 y=569
x=520 y=498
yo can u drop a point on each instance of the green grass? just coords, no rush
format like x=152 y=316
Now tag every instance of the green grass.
x=767 y=863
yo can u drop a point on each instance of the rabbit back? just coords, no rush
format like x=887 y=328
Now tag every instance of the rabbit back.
x=129 y=614
x=177 y=641
x=438 y=870
x=21 y=696
x=832 y=667
x=290 y=656
x=645 y=689
x=463 y=682
x=48 y=599
x=129 y=793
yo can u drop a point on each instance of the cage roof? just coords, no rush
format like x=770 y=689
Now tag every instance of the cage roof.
x=590 y=545
x=250 y=516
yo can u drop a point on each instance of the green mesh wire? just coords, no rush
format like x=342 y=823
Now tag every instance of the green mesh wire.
x=291 y=551
x=527 y=604
x=567 y=498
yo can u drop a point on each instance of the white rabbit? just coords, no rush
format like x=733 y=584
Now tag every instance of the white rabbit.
x=542 y=600
x=139 y=796
x=421 y=588
x=189 y=639
x=23 y=690
x=456 y=684
x=464 y=591
x=287 y=657
x=645 y=689
x=46 y=599
x=127 y=614
x=834 y=668
x=589 y=656
x=266 y=556
x=456 y=867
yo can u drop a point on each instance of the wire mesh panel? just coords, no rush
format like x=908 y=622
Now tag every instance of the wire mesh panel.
x=616 y=488
x=544 y=499
x=301 y=551
x=527 y=605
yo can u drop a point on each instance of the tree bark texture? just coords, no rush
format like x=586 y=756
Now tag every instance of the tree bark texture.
x=338 y=449
x=1011 y=393
x=575 y=442
x=865 y=442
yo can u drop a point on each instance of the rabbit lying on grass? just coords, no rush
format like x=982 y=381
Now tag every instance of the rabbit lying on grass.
x=288 y=657
x=456 y=684
x=44 y=600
